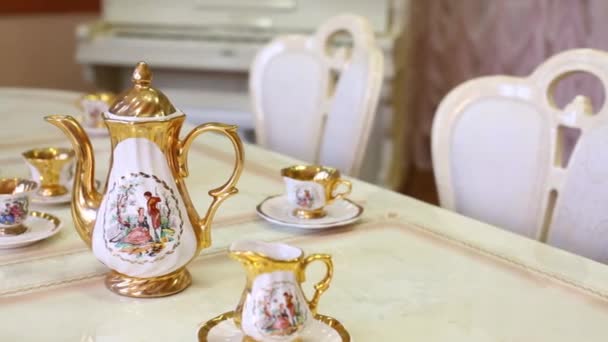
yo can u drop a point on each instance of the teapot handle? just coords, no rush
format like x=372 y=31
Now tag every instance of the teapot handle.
x=323 y=285
x=227 y=189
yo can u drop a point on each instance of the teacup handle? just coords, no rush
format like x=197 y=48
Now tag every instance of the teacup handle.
x=347 y=184
x=323 y=285
x=227 y=189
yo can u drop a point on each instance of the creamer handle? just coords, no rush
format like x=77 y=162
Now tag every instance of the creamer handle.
x=227 y=189
x=323 y=285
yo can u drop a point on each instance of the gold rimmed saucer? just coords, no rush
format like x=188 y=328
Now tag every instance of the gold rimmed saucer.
x=39 y=226
x=276 y=209
x=221 y=328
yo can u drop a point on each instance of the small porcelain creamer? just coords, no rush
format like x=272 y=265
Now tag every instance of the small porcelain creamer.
x=273 y=306
x=144 y=227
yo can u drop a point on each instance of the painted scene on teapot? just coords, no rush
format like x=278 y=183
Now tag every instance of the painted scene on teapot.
x=277 y=310
x=143 y=222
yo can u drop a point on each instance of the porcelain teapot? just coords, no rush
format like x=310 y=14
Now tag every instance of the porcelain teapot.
x=144 y=227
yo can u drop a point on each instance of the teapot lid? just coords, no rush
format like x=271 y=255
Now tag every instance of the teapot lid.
x=142 y=100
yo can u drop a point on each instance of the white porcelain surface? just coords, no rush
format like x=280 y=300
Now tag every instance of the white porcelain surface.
x=140 y=167
x=278 y=210
x=306 y=195
x=317 y=331
x=38 y=229
x=274 y=250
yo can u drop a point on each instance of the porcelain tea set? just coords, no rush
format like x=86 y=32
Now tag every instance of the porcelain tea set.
x=144 y=225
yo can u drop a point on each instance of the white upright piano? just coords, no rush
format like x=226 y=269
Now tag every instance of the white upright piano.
x=201 y=50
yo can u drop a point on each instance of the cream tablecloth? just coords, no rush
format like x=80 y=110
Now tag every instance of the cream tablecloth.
x=407 y=271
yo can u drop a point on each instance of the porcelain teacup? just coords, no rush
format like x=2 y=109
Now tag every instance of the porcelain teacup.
x=309 y=188
x=273 y=306
x=93 y=106
x=52 y=168
x=14 y=204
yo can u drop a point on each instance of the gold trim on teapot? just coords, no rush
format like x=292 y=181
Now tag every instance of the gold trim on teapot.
x=144 y=227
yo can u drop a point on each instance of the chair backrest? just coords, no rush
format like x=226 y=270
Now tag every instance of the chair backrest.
x=315 y=102
x=498 y=154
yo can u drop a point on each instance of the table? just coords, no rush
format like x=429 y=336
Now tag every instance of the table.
x=406 y=271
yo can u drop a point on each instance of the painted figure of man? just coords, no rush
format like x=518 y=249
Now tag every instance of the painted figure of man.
x=154 y=213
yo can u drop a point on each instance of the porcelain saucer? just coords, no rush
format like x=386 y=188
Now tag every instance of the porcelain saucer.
x=39 y=226
x=322 y=329
x=62 y=199
x=277 y=210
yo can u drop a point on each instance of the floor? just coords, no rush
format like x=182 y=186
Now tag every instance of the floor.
x=421 y=185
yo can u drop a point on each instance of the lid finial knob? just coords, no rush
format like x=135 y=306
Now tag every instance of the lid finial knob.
x=142 y=100
x=142 y=75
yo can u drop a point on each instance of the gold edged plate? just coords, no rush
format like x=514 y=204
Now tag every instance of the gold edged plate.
x=234 y=334
x=276 y=209
x=40 y=226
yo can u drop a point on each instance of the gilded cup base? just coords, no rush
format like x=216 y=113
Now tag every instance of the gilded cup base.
x=52 y=190
x=309 y=214
x=162 y=286
x=12 y=231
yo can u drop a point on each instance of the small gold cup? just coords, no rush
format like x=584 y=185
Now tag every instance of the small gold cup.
x=312 y=187
x=14 y=204
x=51 y=168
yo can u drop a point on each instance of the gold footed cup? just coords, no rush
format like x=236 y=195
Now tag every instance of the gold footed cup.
x=166 y=285
x=51 y=167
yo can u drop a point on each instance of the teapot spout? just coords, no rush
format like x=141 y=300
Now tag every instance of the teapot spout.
x=85 y=198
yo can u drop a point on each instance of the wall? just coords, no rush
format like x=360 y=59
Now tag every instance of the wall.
x=458 y=40
x=38 y=51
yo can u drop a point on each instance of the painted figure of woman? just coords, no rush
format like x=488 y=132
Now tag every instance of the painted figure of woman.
x=282 y=319
x=154 y=213
x=140 y=234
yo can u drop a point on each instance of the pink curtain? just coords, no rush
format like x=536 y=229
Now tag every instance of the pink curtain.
x=454 y=41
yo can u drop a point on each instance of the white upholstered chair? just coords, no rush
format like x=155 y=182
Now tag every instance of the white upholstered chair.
x=498 y=144
x=315 y=102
